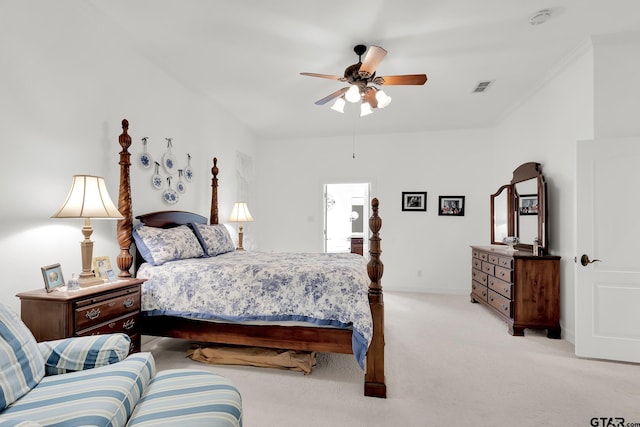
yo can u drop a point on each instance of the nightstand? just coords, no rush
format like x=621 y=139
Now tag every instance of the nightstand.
x=101 y=309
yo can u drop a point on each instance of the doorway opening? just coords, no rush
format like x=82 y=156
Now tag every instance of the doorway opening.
x=346 y=216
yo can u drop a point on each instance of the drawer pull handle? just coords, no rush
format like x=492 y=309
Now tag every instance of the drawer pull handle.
x=490 y=298
x=502 y=273
x=506 y=290
x=112 y=303
x=128 y=303
x=129 y=324
x=93 y=314
x=505 y=307
x=112 y=325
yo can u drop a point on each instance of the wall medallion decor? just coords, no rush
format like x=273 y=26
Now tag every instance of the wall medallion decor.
x=171 y=171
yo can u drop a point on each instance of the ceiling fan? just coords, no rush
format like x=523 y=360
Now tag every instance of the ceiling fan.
x=360 y=76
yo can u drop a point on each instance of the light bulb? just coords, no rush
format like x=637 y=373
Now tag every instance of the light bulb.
x=383 y=99
x=338 y=105
x=365 y=109
x=353 y=94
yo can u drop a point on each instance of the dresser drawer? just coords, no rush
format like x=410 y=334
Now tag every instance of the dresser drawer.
x=128 y=324
x=479 y=291
x=488 y=268
x=504 y=274
x=493 y=259
x=94 y=311
x=476 y=263
x=479 y=276
x=500 y=303
x=500 y=286
x=505 y=262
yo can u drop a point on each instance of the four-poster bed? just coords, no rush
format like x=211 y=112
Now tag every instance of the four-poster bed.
x=283 y=336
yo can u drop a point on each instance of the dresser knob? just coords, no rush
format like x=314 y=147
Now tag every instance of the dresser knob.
x=128 y=303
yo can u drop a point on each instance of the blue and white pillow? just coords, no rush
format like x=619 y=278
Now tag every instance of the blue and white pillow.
x=215 y=238
x=160 y=245
x=21 y=364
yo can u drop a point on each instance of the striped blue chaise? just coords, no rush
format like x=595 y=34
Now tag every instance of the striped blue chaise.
x=90 y=381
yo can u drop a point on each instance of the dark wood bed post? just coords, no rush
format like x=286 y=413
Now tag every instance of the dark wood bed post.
x=213 y=216
x=374 y=382
x=125 y=226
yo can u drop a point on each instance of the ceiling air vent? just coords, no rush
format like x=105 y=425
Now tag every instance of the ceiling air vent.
x=482 y=86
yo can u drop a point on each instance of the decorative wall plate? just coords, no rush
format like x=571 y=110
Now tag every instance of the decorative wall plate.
x=169 y=160
x=145 y=158
x=169 y=195
x=188 y=172
x=181 y=186
x=156 y=180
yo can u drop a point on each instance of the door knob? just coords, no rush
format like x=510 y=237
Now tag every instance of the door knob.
x=584 y=260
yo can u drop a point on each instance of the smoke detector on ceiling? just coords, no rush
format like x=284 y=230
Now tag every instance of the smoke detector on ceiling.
x=540 y=17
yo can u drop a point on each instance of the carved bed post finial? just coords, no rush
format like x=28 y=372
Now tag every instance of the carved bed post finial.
x=125 y=226
x=374 y=381
x=213 y=216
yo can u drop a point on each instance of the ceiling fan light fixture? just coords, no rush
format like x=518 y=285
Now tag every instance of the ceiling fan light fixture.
x=353 y=94
x=339 y=105
x=365 y=109
x=383 y=99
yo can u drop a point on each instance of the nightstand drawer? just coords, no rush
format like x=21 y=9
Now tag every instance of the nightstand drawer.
x=94 y=311
x=129 y=324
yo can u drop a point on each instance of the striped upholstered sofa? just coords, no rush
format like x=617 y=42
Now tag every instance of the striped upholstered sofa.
x=90 y=381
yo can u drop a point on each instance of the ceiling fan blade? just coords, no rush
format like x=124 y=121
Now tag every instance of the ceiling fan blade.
x=325 y=76
x=373 y=58
x=334 y=95
x=406 y=79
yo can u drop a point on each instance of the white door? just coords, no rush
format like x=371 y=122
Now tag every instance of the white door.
x=608 y=229
x=346 y=215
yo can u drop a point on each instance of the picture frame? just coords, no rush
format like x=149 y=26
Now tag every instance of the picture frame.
x=414 y=201
x=52 y=275
x=528 y=204
x=451 y=206
x=101 y=264
x=111 y=275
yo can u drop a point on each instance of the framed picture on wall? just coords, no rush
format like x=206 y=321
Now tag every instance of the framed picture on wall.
x=451 y=205
x=414 y=201
x=528 y=204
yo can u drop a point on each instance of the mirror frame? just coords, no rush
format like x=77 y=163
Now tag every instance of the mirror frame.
x=524 y=172
x=509 y=189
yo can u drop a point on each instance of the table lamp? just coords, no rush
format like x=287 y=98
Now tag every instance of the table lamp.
x=240 y=214
x=88 y=198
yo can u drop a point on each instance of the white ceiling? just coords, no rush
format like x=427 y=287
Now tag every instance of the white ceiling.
x=246 y=55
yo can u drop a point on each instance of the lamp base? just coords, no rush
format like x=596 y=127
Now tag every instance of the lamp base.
x=90 y=281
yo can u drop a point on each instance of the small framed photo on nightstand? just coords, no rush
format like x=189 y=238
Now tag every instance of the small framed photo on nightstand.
x=101 y=264
x=52 y=275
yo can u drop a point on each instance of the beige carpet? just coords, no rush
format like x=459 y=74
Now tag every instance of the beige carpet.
x=448 y=363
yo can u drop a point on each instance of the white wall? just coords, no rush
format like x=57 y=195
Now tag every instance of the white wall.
x=545 y=129
x=421 y=251
x=65 y=88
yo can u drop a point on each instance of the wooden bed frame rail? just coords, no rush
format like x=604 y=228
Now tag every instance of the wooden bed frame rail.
x=286 y=337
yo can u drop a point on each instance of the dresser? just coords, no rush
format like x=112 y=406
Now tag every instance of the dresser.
x=520 y=288
x=101 y=309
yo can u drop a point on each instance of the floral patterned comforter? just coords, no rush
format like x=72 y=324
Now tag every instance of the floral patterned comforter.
x=322 y=289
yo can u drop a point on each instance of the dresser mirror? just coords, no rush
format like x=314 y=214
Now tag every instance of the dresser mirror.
x=501 y=218
x=519 y=208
